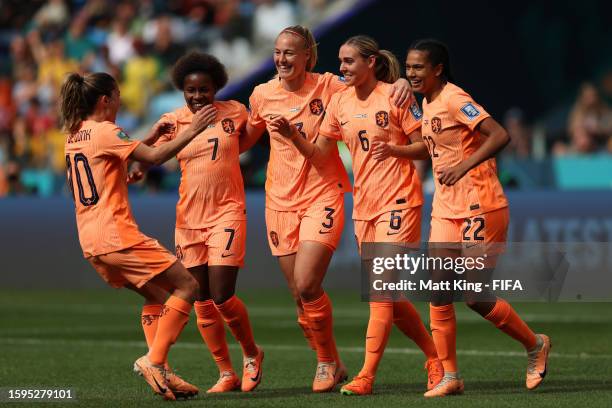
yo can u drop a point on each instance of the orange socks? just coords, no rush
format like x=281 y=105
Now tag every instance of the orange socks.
x=407 y=319
x=444 y=333
x=505 y=318
x=172 y=320
x=235 y=315
x=377 y=335
x=320 y=321
x=210 y=325
x=149 y=318
x=303 y=323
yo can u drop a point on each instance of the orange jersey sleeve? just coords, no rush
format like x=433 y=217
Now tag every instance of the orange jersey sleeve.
x=96 y=168
x=450 y=132
x=292 y=183
x=211 y=188
x=380 y=186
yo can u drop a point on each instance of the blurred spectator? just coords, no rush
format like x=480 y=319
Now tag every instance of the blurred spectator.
x=140 y=75
x=77 y=43
x=520 y=134
x=589 y=125
x=271 y=16
x=120 y=41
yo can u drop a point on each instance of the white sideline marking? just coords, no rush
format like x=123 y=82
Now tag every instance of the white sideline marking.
x=277 y=347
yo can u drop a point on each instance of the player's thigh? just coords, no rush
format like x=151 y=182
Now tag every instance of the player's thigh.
x=191 y=247
x=136 y=265
x=323 y=222
x=283 y=231
x=227 y=244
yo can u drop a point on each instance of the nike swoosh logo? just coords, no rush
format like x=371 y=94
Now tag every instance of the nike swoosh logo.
x=371 y=337
x=225 y=256
x=344 y=123
x=161 y=389
x=472 y=245
x=395 y=233
x=256 y=378
x=324 y=232
x=207 y=325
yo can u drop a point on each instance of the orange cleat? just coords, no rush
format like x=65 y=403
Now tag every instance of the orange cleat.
x=228 y=381
x=180 y=387
x=361 y=385
x=536 y=367
x=435 y=372
x=252 y=371
x=328 y=375
x=155 y=376
x=448 y=386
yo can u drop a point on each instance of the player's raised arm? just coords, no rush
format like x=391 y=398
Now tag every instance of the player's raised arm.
x=158 y=155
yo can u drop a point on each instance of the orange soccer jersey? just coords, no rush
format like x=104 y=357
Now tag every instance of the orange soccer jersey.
x=96 y=161
x=211 y=188
x=380 y=186
x=292 y=183
x=449 y=130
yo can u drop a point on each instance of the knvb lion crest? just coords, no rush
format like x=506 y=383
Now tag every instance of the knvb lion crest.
x=179 y=252
x=382 y=119
x=316 y=107
x=274 y=238
x=228 y=125
x=436 y=124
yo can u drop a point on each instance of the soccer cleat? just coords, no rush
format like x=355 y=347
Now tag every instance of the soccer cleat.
x=252 y=371
x=537 y=361
x=327 y=376
x=360 y=385
x=448 y=386
x=180 y=387
x=228 y=381
x=155 y=376
x=435 y=372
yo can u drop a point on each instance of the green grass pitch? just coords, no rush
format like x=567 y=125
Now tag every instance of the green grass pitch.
x=88 y=339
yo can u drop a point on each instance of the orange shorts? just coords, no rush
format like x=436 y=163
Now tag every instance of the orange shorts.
x=322 y=222
x=483 y=228
x=222 y=244
x=393 y=226
x=135 y=265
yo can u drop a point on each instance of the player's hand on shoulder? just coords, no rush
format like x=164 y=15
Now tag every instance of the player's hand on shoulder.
x=203 y=118
x=400 y=92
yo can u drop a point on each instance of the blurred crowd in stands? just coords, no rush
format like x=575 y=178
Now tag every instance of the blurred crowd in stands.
x=137 y=41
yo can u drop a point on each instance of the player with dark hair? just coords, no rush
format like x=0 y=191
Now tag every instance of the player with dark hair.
x=469 y=205
x=387 y=195
x=211 y=219
x=97 y=151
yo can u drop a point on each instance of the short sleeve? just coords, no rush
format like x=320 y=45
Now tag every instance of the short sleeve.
x=410 y=116
x=168 y=118
x=334 y=83
x=464 y=110
x=330 y=127
x=255 y=118
x=115 y=142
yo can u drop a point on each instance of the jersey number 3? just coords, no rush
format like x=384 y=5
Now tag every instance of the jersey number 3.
x=80 y=162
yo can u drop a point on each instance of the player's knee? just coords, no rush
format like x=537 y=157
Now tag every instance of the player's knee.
x=309 y=290
x=222 y=297
x=189 y=286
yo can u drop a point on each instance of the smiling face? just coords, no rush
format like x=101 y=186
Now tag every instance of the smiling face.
x=423 y=76
x=290 y=56
x=198 y=90
x=355 y=68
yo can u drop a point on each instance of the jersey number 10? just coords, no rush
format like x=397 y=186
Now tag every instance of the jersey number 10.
x=81 y=161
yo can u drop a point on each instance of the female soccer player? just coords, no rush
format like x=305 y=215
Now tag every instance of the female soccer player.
x=211 y=215
x=469 y=205
x=304 y=205
x=97 y=152
x=387 y=194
